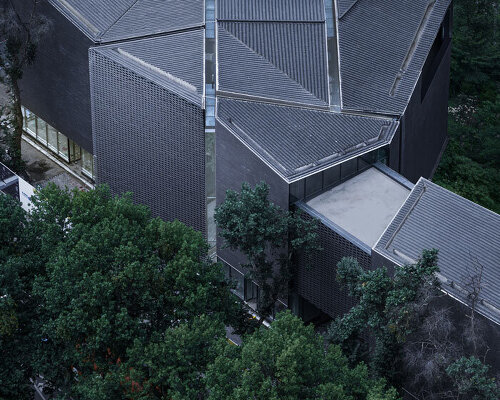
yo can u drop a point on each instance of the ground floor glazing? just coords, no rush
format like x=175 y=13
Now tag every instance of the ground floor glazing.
x=57 y=143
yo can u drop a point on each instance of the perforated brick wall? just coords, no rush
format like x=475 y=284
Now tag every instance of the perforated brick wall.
x=148 y=140
x=318 y=284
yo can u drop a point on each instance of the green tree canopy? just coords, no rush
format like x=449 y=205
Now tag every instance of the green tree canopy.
x=475 y=51
x=268 y=236
x=471 y=163
x=386 y=308
x=472 y=381
x=289 y=361
x=114 y=290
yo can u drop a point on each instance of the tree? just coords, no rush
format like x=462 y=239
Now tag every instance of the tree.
x=16 y=306
x=471 y=381
x=386 y=309
x=475 y=51
x=428 y=351
x=471 y=163
x=268 y=236
x=20 y=36
x=112 y=292
x=289 y=361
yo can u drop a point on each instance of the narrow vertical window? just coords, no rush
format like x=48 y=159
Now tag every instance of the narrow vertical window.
x=210 y=80
x=333 y=61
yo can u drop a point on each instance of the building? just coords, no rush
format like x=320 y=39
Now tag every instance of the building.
x=339 y=105
x=16 y=187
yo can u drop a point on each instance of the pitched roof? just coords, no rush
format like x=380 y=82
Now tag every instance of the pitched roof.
x=285 y=62
x=113 y=20
x=297 y=141
x=276 y=50
x=271 y=10
x=464 y=233
x=379 y=40
x=174 y=61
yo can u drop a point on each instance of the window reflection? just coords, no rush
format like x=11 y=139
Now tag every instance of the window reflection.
x=57 y=143
x=41 y=131
x=52 y=138
x=31 y=123
x=87 y=164
x=63 y=146
x=307 y=188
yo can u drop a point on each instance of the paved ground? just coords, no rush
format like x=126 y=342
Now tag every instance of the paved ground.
x=41 y=170
x=236 y=339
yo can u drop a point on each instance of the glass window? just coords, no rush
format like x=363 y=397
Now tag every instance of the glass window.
x=41 y=131
x=349 y=168
x=239 y=280
x=52 y=137
x=74 y=151
x=211 y=226
x=251 y=290
x=383 y=155
x=87 y=164
x=314 y=184
x=31 y=123
x=210 y=163
x=331 y=176
x=297 y=190
x=63 y=148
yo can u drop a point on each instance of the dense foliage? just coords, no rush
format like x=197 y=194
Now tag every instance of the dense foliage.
x=290 y=361
x=105 y=302
x=385 y=307
x=471 y=163
x=403 y=327
x=268 y=236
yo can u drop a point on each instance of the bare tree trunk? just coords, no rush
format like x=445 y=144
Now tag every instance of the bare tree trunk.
x=17 y=120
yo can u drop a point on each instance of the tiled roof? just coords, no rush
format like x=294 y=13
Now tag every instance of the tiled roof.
x=297 y=141
x=271 y=10
x=112 y=20
x=379 y=40
x=465 y=234
x=285 y=61
x=175 y=61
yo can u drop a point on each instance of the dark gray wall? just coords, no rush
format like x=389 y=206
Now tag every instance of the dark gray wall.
x=425 y=124
x=56 y=87
x=394 y=151
x=148 y=141
x=237 y=164
x=318 y=284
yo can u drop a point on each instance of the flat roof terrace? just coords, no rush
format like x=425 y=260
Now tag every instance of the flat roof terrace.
x=364 y=205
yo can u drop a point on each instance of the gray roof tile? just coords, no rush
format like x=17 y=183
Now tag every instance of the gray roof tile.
x=374 y=40
x=462 y=231
x=149 y=17
x=113 y=20
x=285 y=61
x=343 y=6
x=176 y=61
x=297 y=141
x=271 y=10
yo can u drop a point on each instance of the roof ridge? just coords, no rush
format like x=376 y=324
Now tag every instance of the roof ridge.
x=348 y=8
x=269 y=62
x=101 y=34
